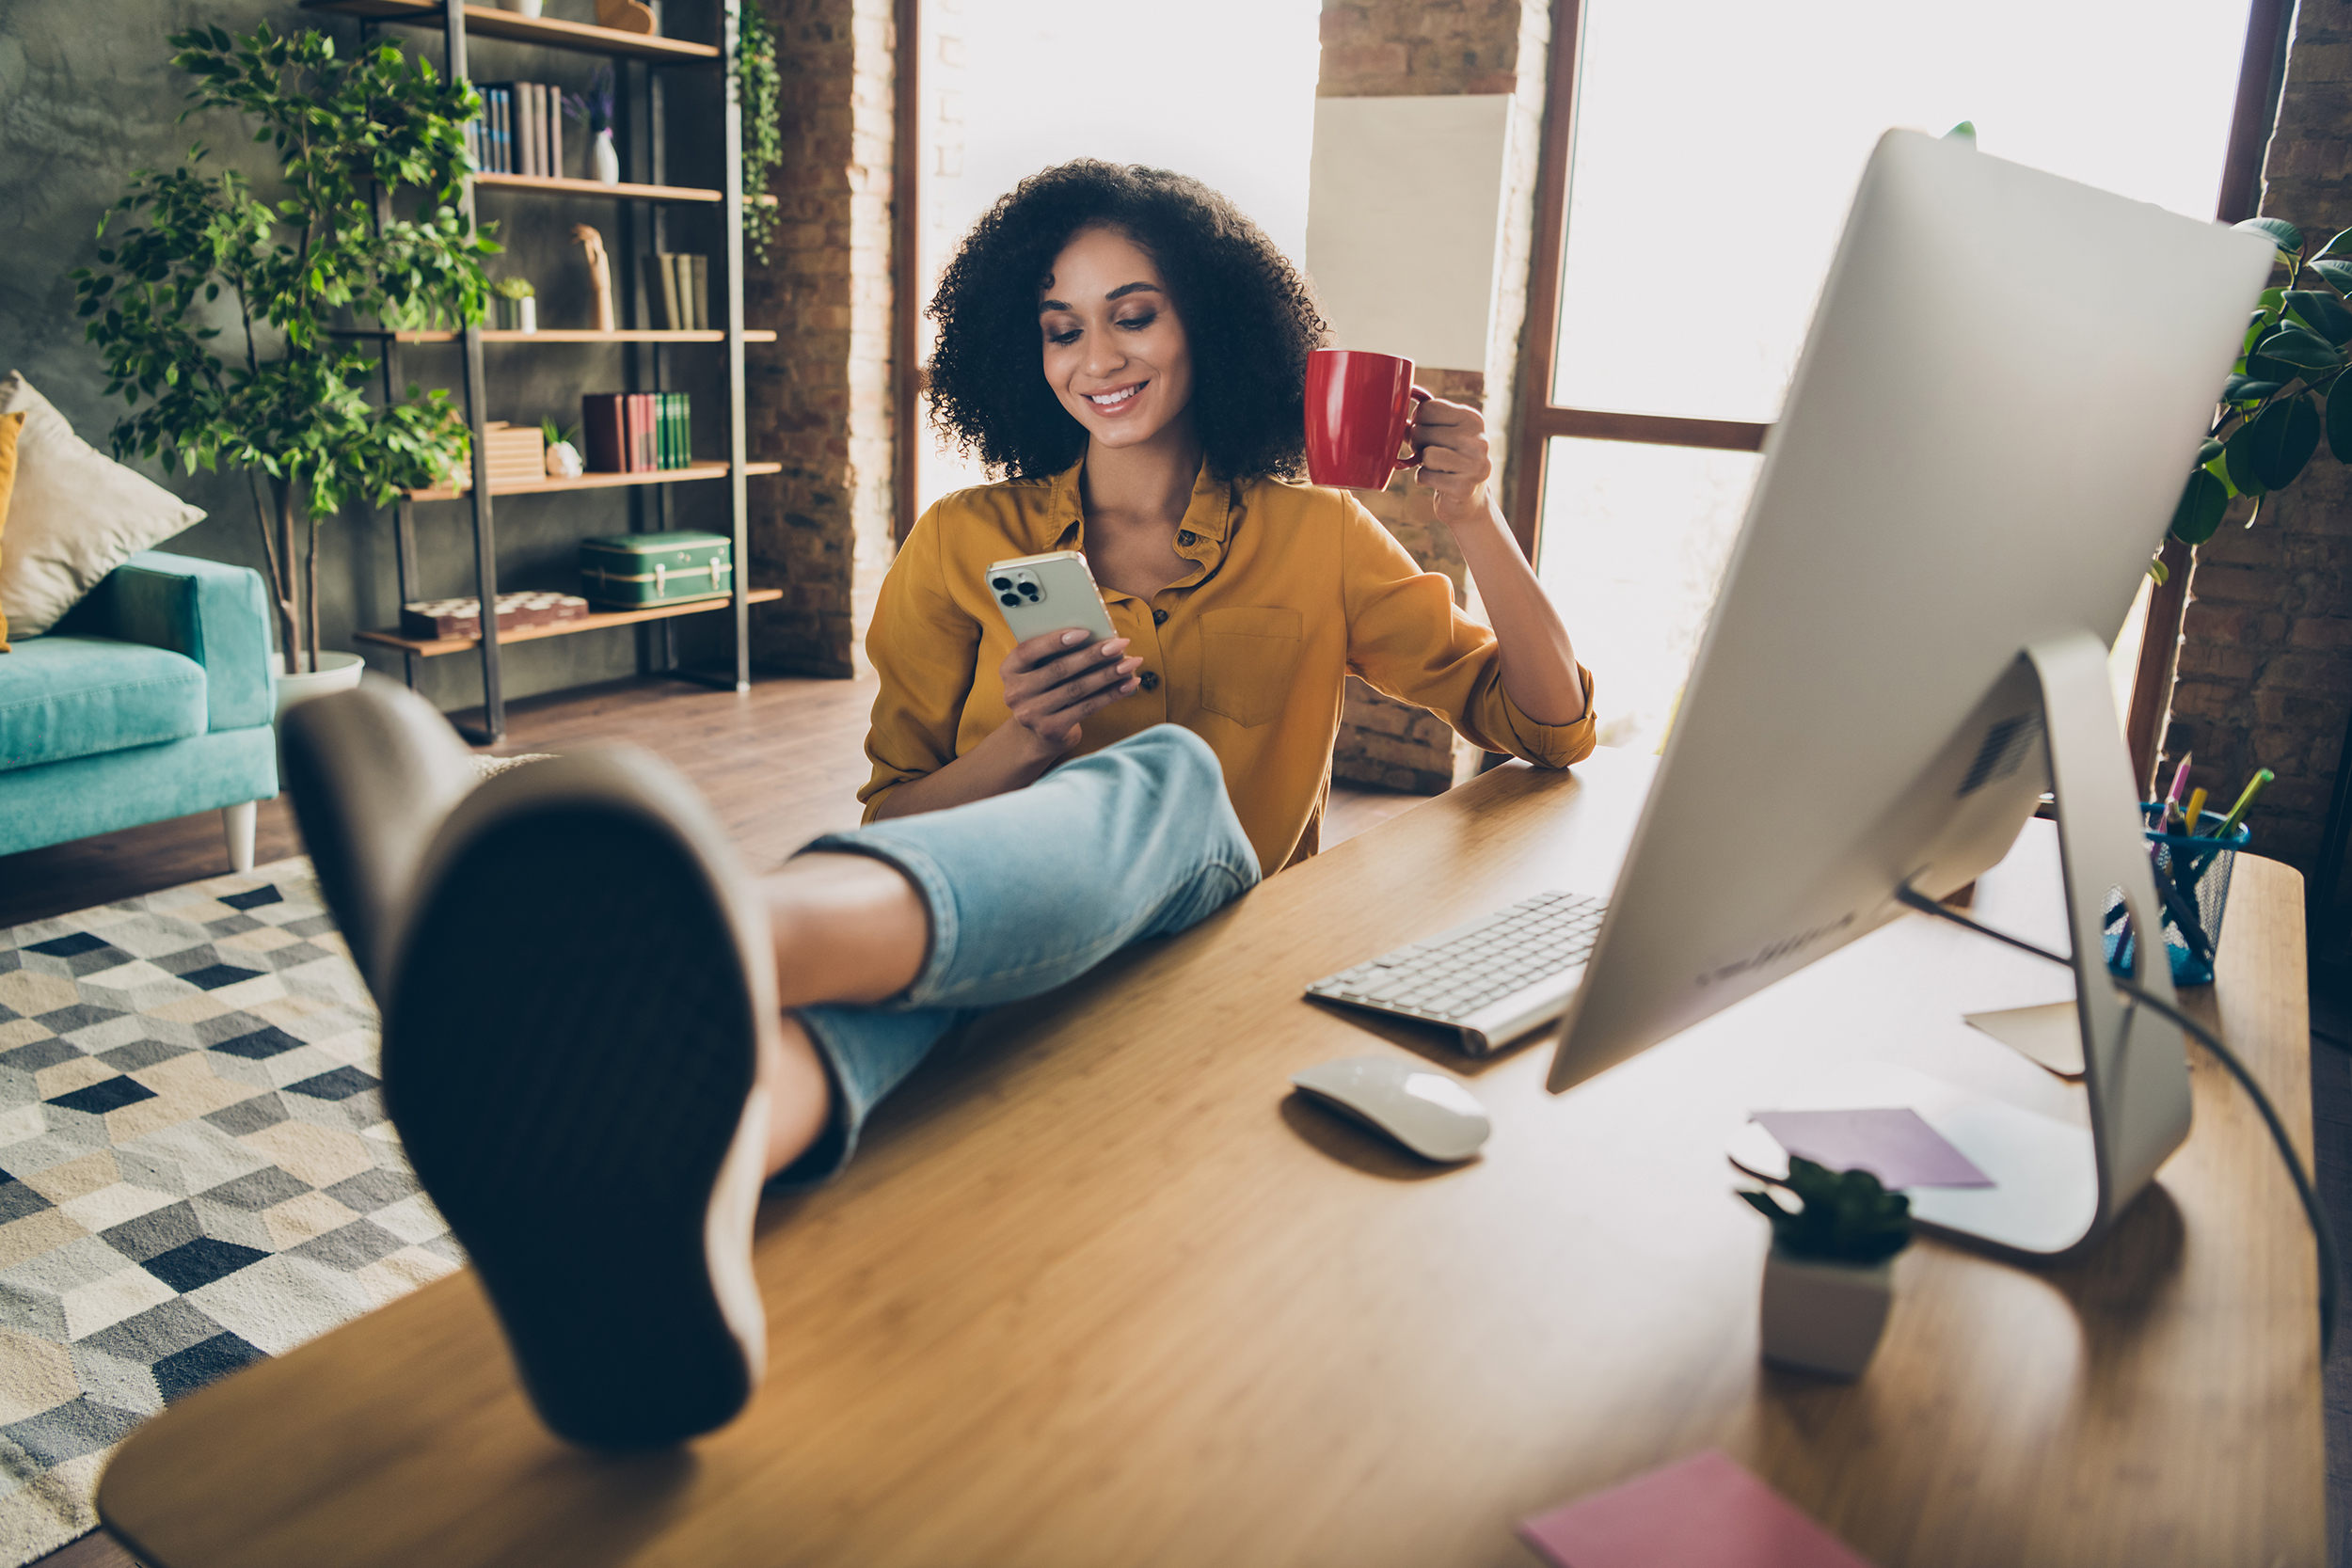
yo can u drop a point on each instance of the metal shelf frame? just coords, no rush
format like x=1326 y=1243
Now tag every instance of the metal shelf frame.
x=638 y=67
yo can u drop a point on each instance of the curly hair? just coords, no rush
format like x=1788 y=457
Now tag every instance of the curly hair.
x=1250 y=321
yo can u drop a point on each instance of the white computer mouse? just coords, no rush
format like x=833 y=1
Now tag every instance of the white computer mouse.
x=1427 y=1112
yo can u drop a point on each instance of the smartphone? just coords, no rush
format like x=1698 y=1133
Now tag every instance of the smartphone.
x=1049 y=593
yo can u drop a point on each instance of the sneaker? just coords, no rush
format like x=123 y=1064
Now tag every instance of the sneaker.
x=371 y=772
x=570 y=1051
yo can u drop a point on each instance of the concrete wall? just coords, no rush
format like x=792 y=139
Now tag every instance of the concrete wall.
x=87 y=96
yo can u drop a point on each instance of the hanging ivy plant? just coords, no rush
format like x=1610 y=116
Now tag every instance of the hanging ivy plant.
x=762 y=86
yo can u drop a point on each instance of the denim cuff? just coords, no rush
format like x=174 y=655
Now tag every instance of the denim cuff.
x=919 y=867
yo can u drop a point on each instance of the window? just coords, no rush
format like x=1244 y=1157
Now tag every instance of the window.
x=1700 y=161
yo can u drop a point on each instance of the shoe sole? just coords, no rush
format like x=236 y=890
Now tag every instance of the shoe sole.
x=569 y=1060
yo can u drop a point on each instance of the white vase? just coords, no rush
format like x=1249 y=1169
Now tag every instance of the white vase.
x=608 y=161
x=527 y=315
x=1824 y=1317
x=336 y=672
x=564 y=461
x=522 y=8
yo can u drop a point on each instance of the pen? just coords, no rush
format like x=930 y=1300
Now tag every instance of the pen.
x=2255 y=787
x=2172 y=796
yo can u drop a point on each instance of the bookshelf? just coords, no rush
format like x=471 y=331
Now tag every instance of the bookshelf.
x=644 y=152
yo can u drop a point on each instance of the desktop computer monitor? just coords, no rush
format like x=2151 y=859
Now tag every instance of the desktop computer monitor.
x=2003 y=389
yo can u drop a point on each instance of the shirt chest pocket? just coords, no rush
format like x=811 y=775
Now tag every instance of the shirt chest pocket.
x=1248 y=658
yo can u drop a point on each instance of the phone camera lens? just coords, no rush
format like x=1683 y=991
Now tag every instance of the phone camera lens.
x=1030 y=589
x=1000 y=584
x=1010 y=598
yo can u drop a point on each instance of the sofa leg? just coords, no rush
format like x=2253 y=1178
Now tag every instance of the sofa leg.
x=238 y=821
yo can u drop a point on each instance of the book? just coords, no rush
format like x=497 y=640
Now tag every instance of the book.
x=555 y=132
x=661 y=298
x=529 y=94
x=699 y=281
x=603 y=433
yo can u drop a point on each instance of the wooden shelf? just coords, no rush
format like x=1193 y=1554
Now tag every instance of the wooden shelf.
x=503 y=334
x=435 y=646
x=600 y=481
x=489 y=22
x=543 y=184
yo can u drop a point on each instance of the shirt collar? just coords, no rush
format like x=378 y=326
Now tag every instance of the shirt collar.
x=1209 y=514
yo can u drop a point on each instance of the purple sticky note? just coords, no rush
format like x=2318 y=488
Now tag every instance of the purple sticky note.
x=1895 y=1146
x=1705 y=1512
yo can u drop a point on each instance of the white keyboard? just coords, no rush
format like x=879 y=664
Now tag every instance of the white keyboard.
x=1493 y=979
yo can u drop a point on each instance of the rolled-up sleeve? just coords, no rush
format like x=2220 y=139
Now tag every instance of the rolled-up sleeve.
x=1407 y=639
x=923 y=645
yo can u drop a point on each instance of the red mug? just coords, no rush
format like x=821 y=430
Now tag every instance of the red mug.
x=1359 y=406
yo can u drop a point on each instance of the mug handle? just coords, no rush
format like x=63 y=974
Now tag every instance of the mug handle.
x=1420 y=395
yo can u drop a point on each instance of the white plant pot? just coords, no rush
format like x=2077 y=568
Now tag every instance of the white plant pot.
x=607 y=161
x=564 y=461
x=527 y=315
x=522 y=8
x=336 y=672
x=1825 y=1318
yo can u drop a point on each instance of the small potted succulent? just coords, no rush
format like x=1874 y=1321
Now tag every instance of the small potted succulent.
x=1830 y=1277
x=518 y=303
x=563 y=459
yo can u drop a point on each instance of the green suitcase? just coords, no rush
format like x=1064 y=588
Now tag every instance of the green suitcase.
x=640 y=571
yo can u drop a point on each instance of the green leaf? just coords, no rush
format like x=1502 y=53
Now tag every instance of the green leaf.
x=2340 y=426
x=2340 y=246
x=2241 y=388
x=2238 y=458
x=2285 y=436
x=2283 y=234
x=2304 y=350
x=2157 y=570
x=2338 y=273
x=2199 y=514
x=2322 y=313
x=1966 y=131
x=2207 y=452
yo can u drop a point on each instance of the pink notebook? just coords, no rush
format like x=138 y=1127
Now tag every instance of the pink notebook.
x=1705 y=1512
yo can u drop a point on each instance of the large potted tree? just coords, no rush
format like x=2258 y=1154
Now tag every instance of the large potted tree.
x=207 y=255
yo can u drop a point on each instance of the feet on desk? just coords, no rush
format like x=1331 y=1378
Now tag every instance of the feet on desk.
x=579 y=1050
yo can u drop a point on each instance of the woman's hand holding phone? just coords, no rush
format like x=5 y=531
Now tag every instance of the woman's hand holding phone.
x=1056 y=681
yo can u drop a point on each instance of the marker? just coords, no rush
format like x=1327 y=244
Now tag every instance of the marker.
x=2172 y=796
x=2196 y=812
x=2255 y=787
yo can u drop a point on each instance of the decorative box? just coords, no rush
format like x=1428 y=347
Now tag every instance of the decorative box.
x=638 y=571
x=431 y=619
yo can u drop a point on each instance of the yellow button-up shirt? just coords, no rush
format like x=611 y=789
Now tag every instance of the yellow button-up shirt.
x=1293 y=589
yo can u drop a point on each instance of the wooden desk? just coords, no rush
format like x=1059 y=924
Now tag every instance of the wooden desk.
x=1099 y=1292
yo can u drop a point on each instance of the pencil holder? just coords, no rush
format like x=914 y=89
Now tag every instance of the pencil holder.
x=2196 y=868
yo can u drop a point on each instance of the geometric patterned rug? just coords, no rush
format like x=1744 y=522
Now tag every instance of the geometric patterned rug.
x=195 y=1170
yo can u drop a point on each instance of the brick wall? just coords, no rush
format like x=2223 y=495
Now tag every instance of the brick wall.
x=2266 y=677
x=1416 y=48
x=818 y=398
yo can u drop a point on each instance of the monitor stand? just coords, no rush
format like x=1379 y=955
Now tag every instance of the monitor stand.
x=2057 y=1186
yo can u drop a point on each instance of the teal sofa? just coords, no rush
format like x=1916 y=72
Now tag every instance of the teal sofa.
x=152 y=699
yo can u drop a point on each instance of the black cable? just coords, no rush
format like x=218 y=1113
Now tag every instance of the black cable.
x=2313 y=1210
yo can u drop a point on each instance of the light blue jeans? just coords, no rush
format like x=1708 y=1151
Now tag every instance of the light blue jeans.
x=1028 y=891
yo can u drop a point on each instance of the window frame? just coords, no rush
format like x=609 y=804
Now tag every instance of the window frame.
x=2261 y=71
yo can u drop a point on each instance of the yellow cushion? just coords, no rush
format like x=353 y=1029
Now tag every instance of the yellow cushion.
x=9 y=425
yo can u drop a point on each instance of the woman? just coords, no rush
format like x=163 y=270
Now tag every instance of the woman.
x=1163 y=441
x=682 y=1032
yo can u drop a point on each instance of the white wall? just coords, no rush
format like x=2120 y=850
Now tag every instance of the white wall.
x=1404 y=212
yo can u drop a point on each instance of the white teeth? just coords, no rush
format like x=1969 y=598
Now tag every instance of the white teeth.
x=1109 y=400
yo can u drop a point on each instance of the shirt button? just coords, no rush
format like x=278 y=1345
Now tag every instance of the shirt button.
x=1149 y=681
x=1159 y=617
x=1188 y=537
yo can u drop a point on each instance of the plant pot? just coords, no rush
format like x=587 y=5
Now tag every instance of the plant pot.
x=521 y=8
x=336 y=672
x=1824 y=1317
x=607 y=161
x=526 y=315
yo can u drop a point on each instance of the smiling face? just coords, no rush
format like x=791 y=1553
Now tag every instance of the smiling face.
x=1115 y=350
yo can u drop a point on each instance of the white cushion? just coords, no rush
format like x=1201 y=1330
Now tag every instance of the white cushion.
x=75 y=516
